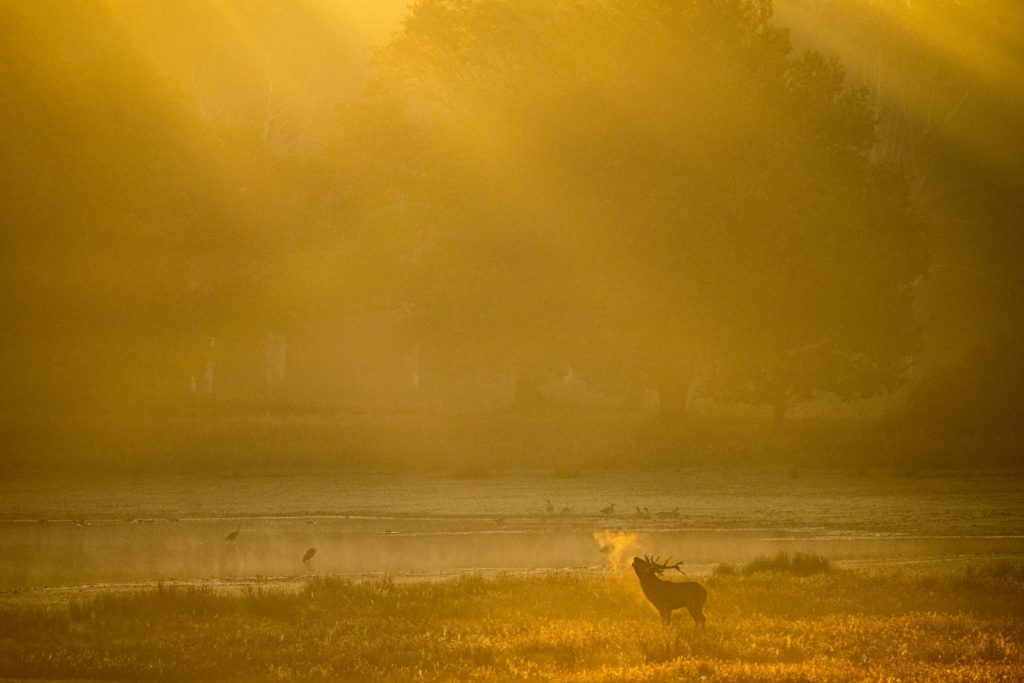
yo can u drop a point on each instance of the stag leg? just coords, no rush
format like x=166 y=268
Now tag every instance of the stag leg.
x=666 y=616
x=698 y=615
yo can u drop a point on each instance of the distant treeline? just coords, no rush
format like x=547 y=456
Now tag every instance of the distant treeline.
x=621 y=207
x=480 y=445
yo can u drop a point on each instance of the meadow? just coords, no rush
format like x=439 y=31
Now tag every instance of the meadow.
x=772 y=620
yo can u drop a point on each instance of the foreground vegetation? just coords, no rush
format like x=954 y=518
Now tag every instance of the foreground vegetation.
x=963 y=624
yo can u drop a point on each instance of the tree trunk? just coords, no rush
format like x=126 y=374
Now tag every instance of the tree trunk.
x=276 y=361
x=208 y=367
x=779 y=405
x=415 y=376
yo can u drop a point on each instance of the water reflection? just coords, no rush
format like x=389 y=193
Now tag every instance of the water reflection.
x=36 y=555
x=164 y=527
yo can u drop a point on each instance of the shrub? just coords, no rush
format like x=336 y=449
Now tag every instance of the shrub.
x=725 y=569
x=799 y=564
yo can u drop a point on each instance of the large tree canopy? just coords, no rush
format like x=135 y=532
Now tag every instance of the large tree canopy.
x=663 y=186
x=648 y=192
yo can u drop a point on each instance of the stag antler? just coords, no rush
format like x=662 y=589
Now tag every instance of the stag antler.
x=660 y=566
x=674 y=566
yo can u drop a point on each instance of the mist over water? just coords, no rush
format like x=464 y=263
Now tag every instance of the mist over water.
x=144 y=530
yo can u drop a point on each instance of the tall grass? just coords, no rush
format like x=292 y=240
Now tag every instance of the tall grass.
x=798 y=564
x=842 y=625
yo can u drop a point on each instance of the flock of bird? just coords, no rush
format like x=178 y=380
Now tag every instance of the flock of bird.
x=233 y=536
x=609 y=511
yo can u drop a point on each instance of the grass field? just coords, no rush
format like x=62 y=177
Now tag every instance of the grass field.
x=963 y=624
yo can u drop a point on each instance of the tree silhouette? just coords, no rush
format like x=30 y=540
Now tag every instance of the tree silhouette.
x=668 y=179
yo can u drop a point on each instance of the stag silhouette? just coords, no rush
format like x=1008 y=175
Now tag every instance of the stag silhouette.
x=669 y=595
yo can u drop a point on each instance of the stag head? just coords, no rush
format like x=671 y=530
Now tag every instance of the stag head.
x=654 y=565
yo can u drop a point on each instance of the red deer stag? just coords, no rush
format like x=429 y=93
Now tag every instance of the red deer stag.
x=669 y=595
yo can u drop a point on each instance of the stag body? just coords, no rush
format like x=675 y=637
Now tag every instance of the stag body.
x=669 y=595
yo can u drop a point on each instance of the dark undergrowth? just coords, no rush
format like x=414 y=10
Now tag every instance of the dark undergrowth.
x=473 y=445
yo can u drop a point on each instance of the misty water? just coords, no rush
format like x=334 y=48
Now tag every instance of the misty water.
x=81 y=531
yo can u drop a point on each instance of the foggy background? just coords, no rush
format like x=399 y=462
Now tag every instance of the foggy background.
x=460 y=235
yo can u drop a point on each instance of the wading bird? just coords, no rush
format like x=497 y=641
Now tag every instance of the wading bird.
x=608 y=510
x=234 y=534
x=309 y=555
x=669 y=595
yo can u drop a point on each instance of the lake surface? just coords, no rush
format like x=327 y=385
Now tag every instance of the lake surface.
x=76 y=531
